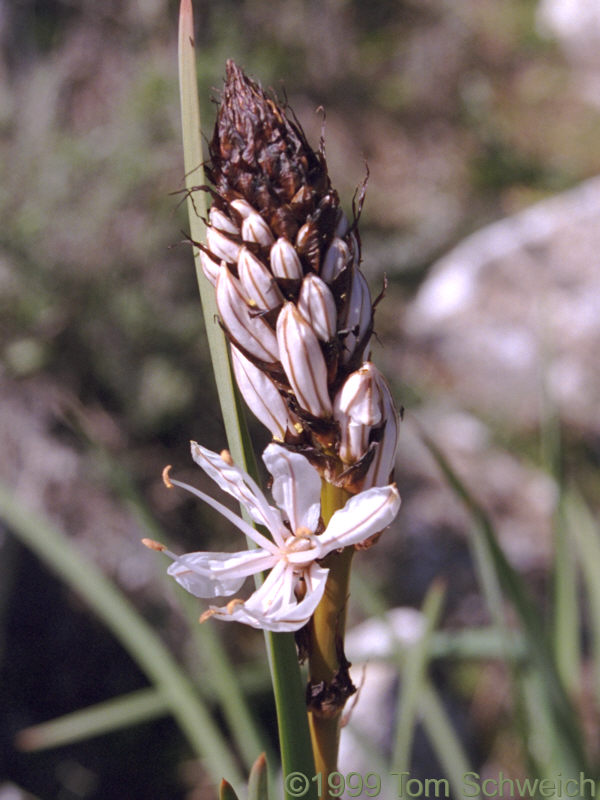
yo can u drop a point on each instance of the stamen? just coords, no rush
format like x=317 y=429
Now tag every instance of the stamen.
x=152 y=545
x=226 y=456
x=166 y=479
x=302 y=532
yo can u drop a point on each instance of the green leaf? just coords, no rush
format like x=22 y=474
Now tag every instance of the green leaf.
x=226 y=791
x=258 y=781
x=444 y=739
x=413 y=677
x=564 y=715
x=120 y=712
x=111 y=606
x=585 y=533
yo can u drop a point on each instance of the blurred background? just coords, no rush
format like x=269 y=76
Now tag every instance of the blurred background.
x=479 y=123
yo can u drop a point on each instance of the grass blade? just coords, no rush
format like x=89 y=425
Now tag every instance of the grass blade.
x=413 y=677
x=564 y=714
x=257 y=783
x=112 y=607
x=585 y=532
x=444 y=740
x=120 y=712
x=226 y=791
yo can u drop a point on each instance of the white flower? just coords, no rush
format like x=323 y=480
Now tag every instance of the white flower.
x=296 y=581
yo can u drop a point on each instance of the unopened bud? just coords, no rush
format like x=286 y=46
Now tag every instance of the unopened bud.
x=222 y=246
x=363 y=403
x=317 y=305
x=303 y=361
x=342 y=226
x=249 y=330
x=357 y=408
x=285 y=262
x=222 y=222
x=381 y=467
x=358 y=317
x=257 y=281
x=255 y=229
x=243 y=207
x=210 y=267
x=261 y=395
x=335 y=261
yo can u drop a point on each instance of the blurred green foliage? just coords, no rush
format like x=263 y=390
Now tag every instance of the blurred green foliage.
x=462 y=110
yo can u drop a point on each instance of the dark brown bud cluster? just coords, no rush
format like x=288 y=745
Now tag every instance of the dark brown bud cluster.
x=284 y=260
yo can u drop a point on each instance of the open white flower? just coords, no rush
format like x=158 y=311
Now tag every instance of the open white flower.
x=296 y=581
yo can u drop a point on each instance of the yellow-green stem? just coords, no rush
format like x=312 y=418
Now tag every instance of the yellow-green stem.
x=326 y=642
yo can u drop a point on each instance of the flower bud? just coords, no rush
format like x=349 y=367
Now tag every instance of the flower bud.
x=365 y=403
x=317 y=305
x=243 y=207
x=210 y=267
x=358 y=316
x=261 y=395
x=383 y=462
x=257 y=281
x=358 y=407
x=342 y=225
x=222 y=246
x=255 y=229
x=285 y=262
x=249 y=330
x=335 y=261
x=303 y=361
x=222 y=222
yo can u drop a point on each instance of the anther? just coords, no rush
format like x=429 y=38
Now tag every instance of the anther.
x=152 y=545
x=302 y=533
x=226 y=456
x=165 y=477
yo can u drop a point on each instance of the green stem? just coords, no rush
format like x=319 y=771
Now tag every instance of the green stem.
x=326 y=645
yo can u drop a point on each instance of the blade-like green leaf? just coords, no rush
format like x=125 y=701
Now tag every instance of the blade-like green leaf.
x=114 y=609
x=444 y=739
x=258 y=781
x=563 y=713
x=121 y=712
x=413 y=676
x=226 y=791
x=237 y=436
x=585 y=532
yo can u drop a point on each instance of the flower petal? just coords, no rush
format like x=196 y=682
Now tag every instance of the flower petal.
x=296 y=486
x=218 y=574
x=240 y=485
x=274 y=606
x=364 y=515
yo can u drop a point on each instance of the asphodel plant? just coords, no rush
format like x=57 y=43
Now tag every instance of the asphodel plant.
x=284 y=260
